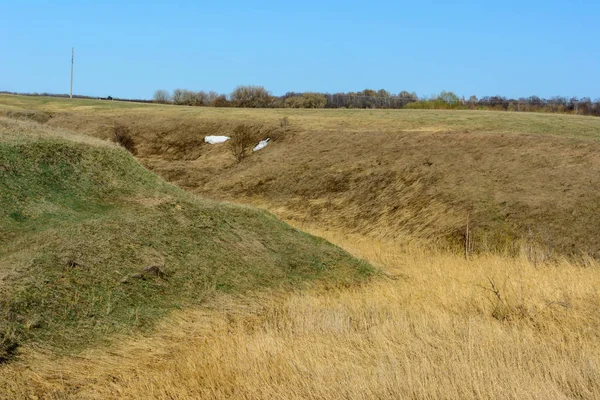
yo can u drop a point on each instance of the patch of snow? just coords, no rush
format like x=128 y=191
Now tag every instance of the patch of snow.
x=261 y=145
x=216 y=139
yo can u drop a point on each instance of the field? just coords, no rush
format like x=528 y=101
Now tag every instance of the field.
x=524 y=181
x=514 y=318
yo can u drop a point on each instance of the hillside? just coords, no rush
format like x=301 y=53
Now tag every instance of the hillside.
x=394 y=188
x=93 y=244
x=437 y=330
x=523 y=182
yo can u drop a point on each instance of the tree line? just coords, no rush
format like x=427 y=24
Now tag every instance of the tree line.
x=259 y=97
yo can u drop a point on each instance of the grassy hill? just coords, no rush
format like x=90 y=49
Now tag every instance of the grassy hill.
x=92 y=243
x=522 y=182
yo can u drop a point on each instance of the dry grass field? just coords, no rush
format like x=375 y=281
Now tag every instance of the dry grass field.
x=522 y=180
x=516 y=319
x=439 y=327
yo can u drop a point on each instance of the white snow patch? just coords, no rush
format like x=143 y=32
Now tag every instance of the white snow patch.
x=261 y=145
x=216 y=139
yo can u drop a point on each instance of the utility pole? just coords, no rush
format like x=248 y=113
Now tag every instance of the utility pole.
x=72 y=62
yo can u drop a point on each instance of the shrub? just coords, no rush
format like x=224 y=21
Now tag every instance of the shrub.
x=243 y=137
x=122 y=136
x=220 y=101
x=284 y=123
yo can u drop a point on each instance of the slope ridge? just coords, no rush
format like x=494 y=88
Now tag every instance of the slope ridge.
x=80 y=219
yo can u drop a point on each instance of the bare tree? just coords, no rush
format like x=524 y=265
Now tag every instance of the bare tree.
x=177 y=96
x=201 y=98
x=211 y=96
x=188 y=98
x=161 y=96
x=251 y=96
x=448 y=97
x=220 y=101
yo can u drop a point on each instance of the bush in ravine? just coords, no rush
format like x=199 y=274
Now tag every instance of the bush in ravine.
x=242 y=138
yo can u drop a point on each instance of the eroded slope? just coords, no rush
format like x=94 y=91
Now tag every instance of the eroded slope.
x=80 y=220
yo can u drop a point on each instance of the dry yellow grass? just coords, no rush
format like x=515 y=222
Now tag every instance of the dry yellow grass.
x=92 y=115
x=433 y=329
x=27 y=131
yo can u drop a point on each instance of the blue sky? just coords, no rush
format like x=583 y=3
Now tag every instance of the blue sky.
x=129 y=49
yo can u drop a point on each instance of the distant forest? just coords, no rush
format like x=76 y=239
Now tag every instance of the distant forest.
x=259 y=97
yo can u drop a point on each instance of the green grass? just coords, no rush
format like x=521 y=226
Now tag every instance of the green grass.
x=77 y=216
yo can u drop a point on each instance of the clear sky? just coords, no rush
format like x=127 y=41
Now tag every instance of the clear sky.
x=131 y=48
